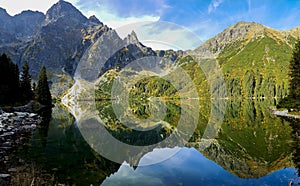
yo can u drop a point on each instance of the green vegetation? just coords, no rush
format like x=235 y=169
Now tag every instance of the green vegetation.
x=252 y=69
x=252 y=142
x=129 y=135
x=16 y=90
x=25 y=83
x=152 y=87
x=256 y=69
x=295 y=73
x=293 y=100
x=43 y=94
x=9 y=82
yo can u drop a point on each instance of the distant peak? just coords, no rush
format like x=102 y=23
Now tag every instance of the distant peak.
x=247 y=24
x=61 y=9
x=30 y=12
x=3 y=12
x=132 y=38
x=62 y=6
x=94 y=19
x=133 y=34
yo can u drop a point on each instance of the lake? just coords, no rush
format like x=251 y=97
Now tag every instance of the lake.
x=251 y=147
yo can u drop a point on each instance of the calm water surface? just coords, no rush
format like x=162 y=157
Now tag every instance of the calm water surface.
x=252 y=147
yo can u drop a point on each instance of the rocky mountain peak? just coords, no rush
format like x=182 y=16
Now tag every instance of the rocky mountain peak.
x=241 y=31
x=94 y=20
x=4 y=16
x=29 y=12
x=132 y=38
x=3 y=12
x=63 y=9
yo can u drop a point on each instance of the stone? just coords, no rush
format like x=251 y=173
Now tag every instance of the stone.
x=7 y=144
x=12 y=170
x=21 y=114
x=27 y=127
x=33 y=115
x=33 y=126
x=4 y=176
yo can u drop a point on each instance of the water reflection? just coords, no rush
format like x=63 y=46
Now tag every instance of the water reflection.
x=57 y=154
x=295 y=125
x=188 y=167
x=42 y=133
x=252 y=147
x=251 y=144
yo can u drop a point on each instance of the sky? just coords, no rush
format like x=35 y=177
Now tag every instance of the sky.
x=205 y=18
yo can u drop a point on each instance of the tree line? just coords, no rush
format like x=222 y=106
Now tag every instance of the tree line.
x=292 y=101
x=17 y=88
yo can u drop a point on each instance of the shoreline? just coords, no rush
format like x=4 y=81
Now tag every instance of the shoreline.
x=14 y=129
x=283 y=113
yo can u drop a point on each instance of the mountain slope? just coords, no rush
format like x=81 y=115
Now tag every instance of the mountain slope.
x=254 y=59
x=59 y=43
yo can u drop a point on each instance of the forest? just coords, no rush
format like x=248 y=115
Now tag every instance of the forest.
x=17 y=88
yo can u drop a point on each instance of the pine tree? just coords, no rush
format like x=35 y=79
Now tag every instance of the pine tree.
x=25 y=83
x=9 y=81
x=295 y=72
x=42 y=90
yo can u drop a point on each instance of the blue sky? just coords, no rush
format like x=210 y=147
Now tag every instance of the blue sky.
x=205 y=18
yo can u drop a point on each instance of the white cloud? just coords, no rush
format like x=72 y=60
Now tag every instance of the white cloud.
x=14 y=7
x=214 y=5
x=119 y=22
x=162 y=35
x=114 y=21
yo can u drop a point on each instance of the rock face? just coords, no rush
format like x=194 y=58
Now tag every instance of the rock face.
x=59 y=43
x=109 y=52
x=21 y=26
x=17 y=31
x=58 y=39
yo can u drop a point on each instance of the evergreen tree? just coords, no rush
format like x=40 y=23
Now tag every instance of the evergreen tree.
x=295 y=72
x=9 y=81
x=42 y=90
x=25 y=83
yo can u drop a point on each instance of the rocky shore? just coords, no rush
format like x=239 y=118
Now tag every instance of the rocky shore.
x=283 y=113
x=14 y=127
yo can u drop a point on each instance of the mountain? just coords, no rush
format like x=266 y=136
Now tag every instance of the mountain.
x=59 y=43
x=59 y=39
x=16 y=31
x=21 y=26
x=243 y=32
x=254 y=59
